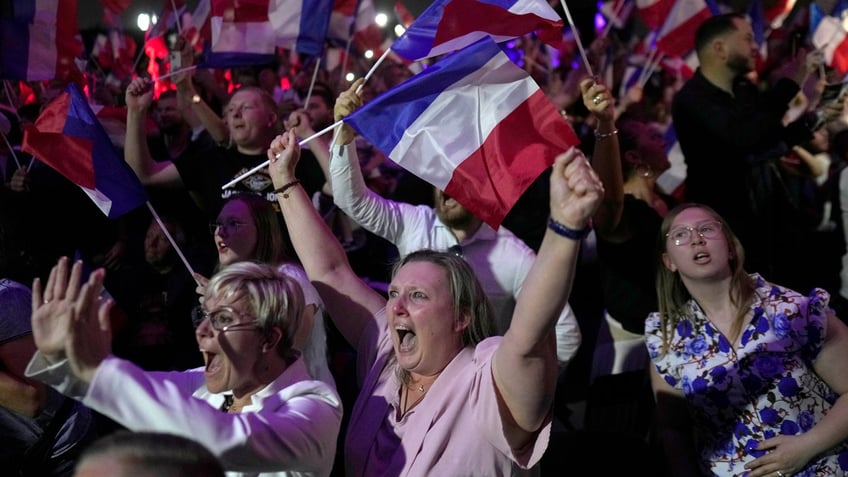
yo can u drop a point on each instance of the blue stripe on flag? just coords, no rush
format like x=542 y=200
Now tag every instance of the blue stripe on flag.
x=14 y=60
x=314 y=21
x=402 y=105
x=233 y=59
x=418 y=39
x=23 y=11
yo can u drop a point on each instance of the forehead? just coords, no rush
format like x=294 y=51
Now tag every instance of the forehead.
x=422 y=275
x=247 y=96
x=692 y=216
x=234 y=209
x=226 y=297
x=743 y=28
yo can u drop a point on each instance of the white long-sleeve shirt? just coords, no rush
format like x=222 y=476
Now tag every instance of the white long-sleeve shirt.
x=292 y=423
x=500 y=260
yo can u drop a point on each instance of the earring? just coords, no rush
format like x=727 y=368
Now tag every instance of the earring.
x=647 y=172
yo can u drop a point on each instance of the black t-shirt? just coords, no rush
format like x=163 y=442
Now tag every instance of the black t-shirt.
x=205 y=170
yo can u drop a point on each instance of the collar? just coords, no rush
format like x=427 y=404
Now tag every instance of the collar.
x=484 y=232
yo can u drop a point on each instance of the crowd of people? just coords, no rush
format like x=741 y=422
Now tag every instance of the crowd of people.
x=333 y=314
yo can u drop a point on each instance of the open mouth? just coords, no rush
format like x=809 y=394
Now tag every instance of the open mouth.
x=702 y=256
x=406 y=338
x=213 y=362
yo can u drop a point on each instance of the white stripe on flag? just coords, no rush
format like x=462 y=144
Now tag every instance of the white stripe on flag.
x=459 y=107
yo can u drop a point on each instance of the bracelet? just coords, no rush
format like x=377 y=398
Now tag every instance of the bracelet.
x=600 y=135
x=284 y=188
x=567 y=232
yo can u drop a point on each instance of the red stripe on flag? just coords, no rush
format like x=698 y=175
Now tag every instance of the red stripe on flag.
x=457 y=22
x=243 y=11
x=681 y=39
x=516 y=152
x=840 y=58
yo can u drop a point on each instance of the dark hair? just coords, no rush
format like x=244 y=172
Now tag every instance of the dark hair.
x=155 y=453
x=715 y=27
x=323 y=91
x=272 y=241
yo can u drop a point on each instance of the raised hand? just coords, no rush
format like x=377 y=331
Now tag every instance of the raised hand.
x=299 y=121
x=598 y=99
x=20 y=180
x=139 y=95
x=347 y=102
x=283 y=154
x=201 y=286
x=576 y=190
x=90 y=337
x=52 y=308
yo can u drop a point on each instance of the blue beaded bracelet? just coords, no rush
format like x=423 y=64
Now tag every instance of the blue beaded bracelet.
x=565 y=231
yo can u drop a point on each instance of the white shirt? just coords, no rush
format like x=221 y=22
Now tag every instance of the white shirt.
x=292 y=423
x=500 y=260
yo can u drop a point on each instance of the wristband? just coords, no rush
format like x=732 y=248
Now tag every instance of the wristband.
x=282 y=189
x=567 y=232
x=600 y=135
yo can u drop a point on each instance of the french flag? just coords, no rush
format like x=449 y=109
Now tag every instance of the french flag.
x=654 y=12
x=249 y=31
x=831 y=37
x=67 y=137
x=39 y=39
x=474 y=125
x=677 y=36
x=671 y=181
x=448 y=25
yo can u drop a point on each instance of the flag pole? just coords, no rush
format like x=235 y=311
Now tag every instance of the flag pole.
x=11 y=150
x=265 y=164
x=171 y=239
x=312 y=83
x=8 y=90
x=374 y=68
x=608 y=27
x=577 y=38
x=176 y=72
x=177 y=17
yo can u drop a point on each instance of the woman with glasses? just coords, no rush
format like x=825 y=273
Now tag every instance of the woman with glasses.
x=749 y=377
x=253 y=404
x=249 y=229
x=439 y=395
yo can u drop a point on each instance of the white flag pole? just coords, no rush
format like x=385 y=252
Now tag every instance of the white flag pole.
x=577 y=38
x=171 y=239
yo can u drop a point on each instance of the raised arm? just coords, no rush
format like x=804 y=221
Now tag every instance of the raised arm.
x=525 y=364
x=139 y=96
x=605 y=158
x=210 y=120
x=351 y=303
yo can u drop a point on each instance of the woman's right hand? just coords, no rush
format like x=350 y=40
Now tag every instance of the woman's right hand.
x=53 y=308
x=20 y=180
x=283 y=156
x=202 y=282
x=139 y=94
x=598 y=100
x=347 y=102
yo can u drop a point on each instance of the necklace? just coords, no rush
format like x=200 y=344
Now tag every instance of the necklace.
x=420 y=388
x=228 y=403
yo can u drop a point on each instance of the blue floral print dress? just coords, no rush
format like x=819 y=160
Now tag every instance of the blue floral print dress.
x=763 y=387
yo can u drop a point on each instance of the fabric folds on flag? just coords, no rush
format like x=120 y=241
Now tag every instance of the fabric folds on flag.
x=249 y=31
x=831 y=37
x=67 y=137
x=654 y=12
x=38 y=39
x=448 y=25
x=474 y=125
x=677 y=36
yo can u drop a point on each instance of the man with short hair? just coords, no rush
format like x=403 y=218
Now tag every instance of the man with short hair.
x=732 y=136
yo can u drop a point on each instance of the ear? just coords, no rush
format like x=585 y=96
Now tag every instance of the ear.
x=272 y=339
x=668 y=263
x=272 y=118
x=462 y=322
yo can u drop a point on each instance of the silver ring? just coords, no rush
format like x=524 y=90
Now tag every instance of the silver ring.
x=277 y=155
x=597 y=99
x=780 y=474
x=46 y=301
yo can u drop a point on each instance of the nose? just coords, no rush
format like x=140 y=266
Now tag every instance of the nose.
x=203 y=330
x=398 y=306
x=697 y=237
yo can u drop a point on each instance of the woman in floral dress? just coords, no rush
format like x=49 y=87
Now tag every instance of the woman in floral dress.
x=750 y=378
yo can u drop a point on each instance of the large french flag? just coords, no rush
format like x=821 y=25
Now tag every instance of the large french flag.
x=448 y=25
x=38 y=39
x=67 y=137
x=677 y=35
x=654 y=12
x=247 y=32
x=474 y=125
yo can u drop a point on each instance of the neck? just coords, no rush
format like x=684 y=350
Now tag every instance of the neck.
x=463 y=232
x=265 y=371
x=642 y=188
x=713 y=296
x=178 y=141
x=719 y=76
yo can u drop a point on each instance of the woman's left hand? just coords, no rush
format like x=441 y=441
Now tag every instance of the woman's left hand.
x=90 y=338
x=283 y=154
x=784 y=454
x=576 y=190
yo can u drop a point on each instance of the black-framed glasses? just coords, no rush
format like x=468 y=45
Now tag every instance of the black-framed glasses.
x=683 y=235
x=222 y=319
x=228 y=227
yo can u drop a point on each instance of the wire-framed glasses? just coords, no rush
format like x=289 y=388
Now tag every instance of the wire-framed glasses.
x=228 y=227
x=222 y=319
x=683 y=235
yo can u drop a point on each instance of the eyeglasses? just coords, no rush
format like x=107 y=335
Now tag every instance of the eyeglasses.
x=221 y=320
x=228 y=227
x=683 y=235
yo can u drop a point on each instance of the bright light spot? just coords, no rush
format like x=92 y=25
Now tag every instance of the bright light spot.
x=369 y=54
x=350 y=77
x=154 y=19
x=399 y=30
x=143 y=21
x=381 y=19
x=600 y=21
